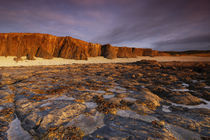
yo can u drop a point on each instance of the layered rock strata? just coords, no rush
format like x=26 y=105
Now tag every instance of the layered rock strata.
x=49 y=46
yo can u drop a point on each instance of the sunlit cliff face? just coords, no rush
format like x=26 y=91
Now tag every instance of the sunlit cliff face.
x=159 y=24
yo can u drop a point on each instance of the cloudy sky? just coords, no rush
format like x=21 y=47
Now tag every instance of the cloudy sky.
x=158 y=24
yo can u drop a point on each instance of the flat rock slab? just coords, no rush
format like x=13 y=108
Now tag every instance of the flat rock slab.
x=134 y=115
x=16 y=132
x=106 y=101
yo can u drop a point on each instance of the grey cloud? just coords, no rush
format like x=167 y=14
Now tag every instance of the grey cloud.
x=193 y=39
x=200 y=42
x=156 y=20
x=66 y=17
x=138 y=22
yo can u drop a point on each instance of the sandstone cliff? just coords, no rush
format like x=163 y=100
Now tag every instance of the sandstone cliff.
x=48 y=46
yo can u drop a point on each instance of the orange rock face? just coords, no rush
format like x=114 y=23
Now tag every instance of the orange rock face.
x=109 y=51
x=49 y=46
x=125 y=52
x=138 y=51
x=94 y=50
x=42 y=45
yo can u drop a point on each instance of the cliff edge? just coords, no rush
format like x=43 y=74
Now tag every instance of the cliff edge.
x=49 y=46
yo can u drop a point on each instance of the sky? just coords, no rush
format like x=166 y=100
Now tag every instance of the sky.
x=159 y=24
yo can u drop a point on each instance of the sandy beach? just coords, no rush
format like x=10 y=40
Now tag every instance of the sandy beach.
x=9 y=61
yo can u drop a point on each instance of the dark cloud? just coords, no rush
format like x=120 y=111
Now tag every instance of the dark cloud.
x=137 y=23
x=149 y=21
x=193 y=39
x=67 y=17
x=200 y=42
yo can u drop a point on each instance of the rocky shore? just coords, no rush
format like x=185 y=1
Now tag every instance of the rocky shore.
x=139 y=100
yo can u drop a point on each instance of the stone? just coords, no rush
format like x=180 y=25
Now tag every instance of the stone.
x=134 y=115
x=16 y=132
x=149 y=99
x=88 y=123
x=186 y=98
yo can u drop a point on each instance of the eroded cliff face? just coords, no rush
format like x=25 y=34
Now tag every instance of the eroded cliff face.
x=48 y=46
x=42 y=45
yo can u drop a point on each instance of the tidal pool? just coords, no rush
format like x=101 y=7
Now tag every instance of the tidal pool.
x=203 y=105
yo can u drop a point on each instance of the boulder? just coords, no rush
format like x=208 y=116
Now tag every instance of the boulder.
x=18 y=59
x=30 y=57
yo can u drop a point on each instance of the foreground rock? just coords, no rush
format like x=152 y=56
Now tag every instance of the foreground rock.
x=142 y=100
